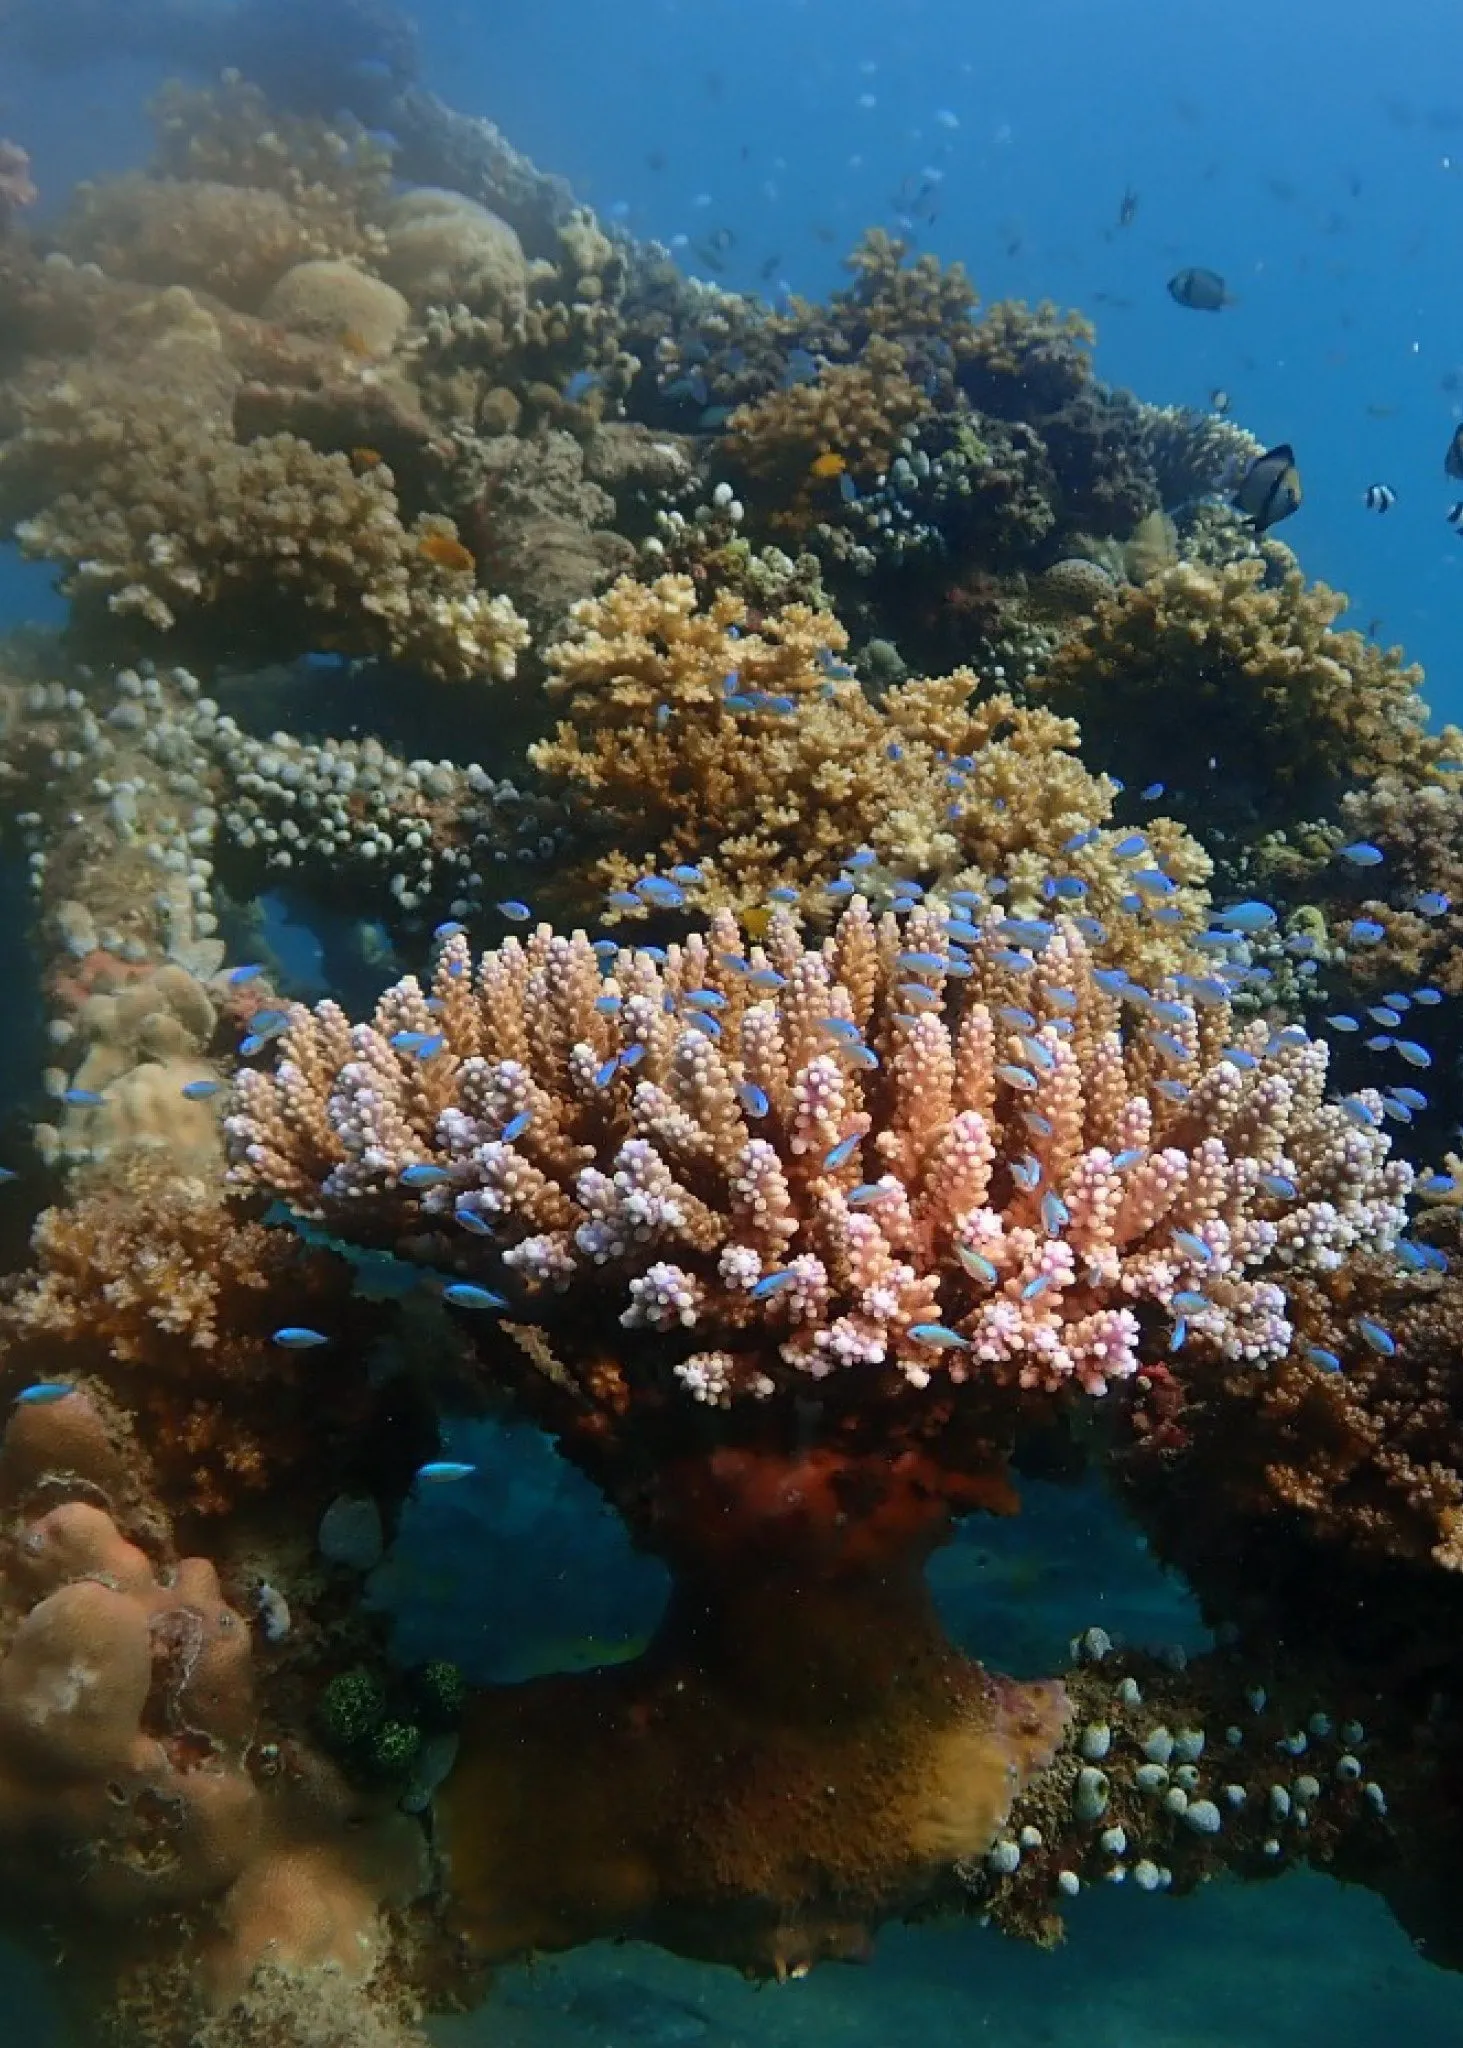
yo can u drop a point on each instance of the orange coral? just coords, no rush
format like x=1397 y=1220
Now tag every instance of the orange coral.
x=150 y=1286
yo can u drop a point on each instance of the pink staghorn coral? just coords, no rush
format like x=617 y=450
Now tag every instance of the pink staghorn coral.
x=798 y=1161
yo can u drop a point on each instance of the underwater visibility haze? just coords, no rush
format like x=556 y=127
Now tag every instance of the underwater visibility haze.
x=731 y=1216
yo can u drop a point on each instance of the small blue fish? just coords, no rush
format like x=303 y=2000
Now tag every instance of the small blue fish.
x=1193 y=1246
x=780 y=895
x=83 y=1098
x=1362 y=854
x=43 y=1393
x=1026 y=1172
x=1113 y=981
x=472 y=1222
x=1437 y=1184
x=839 y=1028
x=921 y=963
x=1171 y=1047
x=1432 y=903
x=860 y=1197
x=1343 y=1023
x=605 y=1074
x=608 y=1006
x=237 y=976
x=841 y=885
x=705 y=999
x=1238 y=1056
x=1055 y=1214
x=1365 y=931
x=840 y=1154
x=430 y=1046
x=1017 y=1077
x=1280 y=1185
x=940 y=1336
x=766 y=977
x=1415 y=1055
x=605 y=949
x=295 y=1337
x=630 y=1057
x=863 y=858
x=450 y=930
x=1427 y=996
x=683 y=872
x=963 y=931
x=1015 y=963
x=702 y=1021
x=1039 y=1126
x=516 y=1126
x=1152 y=793
x=199 y=1091
x=1319 y=1356
x=580 y=385
x=1413 y=1097
x=406 y=1041
x=977 y=1265
x=464 y=1294
x=752 y=1098
x=1037 y=1286
x=1380 y=1014
x=1123 y=1160
x=847 y=488
x=1359 y=1113
x=7 y=1174
x=1377 y=1336
x=1016 y=1017
x=1176 y=1091
x=1247 y=917
x=424 y=1176
x=773 y=1283
x=620 y=899
x=1180 y=1335
x=514 y=911
x=442 y=1470
x=657 y=890
x=1191 y=1303
x=1132 y=846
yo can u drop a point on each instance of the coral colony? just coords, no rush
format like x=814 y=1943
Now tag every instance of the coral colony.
x=916 y=947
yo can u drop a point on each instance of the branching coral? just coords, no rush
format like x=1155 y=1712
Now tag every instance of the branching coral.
x=863 y=1168
x=263 y=547
x=1243 y=697
x=710 y=734
x=149 y=1285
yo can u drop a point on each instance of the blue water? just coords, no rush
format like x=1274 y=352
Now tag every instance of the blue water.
x=1313 y=155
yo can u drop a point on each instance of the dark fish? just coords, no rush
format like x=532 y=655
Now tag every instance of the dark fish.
x=823 y=233
x=1269 y=490
x=768 y=268
x=656 y=160
x=1380 y=498
x=1219 y=399
x=1453 y=460
x=1127 y=207
x=1202 y=291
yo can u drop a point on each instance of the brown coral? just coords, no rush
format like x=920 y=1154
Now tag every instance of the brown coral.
x=147 y=1284
x=942 y=785
x=1243 y=698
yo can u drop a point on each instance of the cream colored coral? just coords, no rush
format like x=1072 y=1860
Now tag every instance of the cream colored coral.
x=341 y=302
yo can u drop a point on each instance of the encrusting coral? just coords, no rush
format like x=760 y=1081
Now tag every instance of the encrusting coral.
x=733 y=738
x=862 y=1168
x=135 y=1738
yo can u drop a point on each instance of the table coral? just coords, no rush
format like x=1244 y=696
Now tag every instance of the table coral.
x=861 y=1168
x=1245 y=698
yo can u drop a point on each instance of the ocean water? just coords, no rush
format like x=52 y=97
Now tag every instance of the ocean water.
x=1312 y=156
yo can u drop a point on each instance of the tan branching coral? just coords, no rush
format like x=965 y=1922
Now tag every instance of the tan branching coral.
x=855 y=413
x=332 y=175
x=778 y=786
x=149 y=1284
x=262 y=548
x=1242 y=697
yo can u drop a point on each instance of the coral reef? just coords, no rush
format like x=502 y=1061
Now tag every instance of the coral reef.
x=861 y=1167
